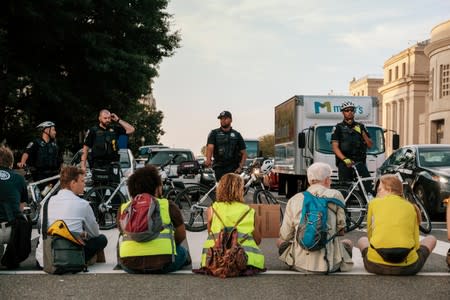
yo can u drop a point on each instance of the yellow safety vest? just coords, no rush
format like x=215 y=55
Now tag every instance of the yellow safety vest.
x=230 y=214
x=163 y=244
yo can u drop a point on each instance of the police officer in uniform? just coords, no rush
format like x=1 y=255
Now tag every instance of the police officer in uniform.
x=43 y=154
x=227 y=147
x=103 y=140
x=350 y=140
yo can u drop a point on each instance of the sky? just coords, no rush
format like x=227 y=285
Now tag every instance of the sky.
x=247 y=56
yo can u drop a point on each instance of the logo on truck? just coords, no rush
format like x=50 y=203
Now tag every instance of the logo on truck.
x=319 y=106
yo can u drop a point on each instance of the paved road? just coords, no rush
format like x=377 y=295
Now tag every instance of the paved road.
x=103 y=282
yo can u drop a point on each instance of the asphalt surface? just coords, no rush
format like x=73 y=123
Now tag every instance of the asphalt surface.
x=103 y=282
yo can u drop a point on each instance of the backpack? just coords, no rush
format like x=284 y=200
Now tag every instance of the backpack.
x=313 y=229
x=63 y=251
x=227 y=258
x=140 y=220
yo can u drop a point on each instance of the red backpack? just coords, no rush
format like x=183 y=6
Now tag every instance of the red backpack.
x=141 y=220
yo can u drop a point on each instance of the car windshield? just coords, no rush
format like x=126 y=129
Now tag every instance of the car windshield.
x=434 y=157
x=164 y=156
x=323 y=140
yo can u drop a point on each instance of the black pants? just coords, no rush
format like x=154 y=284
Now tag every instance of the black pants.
x=219 y=171
x=347 y=174
x=93 y=245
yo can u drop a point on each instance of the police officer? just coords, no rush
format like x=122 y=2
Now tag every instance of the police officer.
x=103 y=140
x=227 y=147
x=350 y=141
x=43 y=154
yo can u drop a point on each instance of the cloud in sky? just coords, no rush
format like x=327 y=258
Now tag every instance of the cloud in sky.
x=247 y=56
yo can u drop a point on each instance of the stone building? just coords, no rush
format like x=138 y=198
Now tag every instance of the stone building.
x=414 y=93
x=404 y=90
x=436 y=119
x=367 y=86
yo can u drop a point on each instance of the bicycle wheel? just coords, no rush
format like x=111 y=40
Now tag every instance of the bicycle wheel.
x=425 y=224
x=172 y=194
x=193 y=202
x=266 y=197
x=356 y=208
x=105 y=209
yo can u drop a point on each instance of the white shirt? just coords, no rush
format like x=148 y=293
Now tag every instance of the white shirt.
x=76 y=213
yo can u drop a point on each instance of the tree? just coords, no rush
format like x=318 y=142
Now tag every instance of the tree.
x=267 y=145
x=64 y=60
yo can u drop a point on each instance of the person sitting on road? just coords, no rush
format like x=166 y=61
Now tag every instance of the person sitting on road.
x=13 y=196
x=338 y=252
x=76 y=212
x=392 y=244
x=154 y=256
x=230 y=207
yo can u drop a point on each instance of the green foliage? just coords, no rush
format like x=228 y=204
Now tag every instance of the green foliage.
x=267 y=145
x=64 y=60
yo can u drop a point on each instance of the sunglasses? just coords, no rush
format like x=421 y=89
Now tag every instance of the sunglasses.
x=349 y=110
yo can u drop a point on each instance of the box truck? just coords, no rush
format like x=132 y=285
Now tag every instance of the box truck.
x=303 y=128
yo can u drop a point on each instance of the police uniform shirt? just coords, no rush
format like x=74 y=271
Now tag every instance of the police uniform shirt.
x=113 y=133
x=44 y=156
x=13 y=191
x=351 y=142
x=227 y=146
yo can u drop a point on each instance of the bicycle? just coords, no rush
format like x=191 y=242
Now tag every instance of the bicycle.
x=105 y=197
x=195 y=200
x=357 y=200
x=37 y=197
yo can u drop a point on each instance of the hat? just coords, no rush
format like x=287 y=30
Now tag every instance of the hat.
x=225 y=114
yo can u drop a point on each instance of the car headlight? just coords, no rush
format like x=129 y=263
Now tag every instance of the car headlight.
x=439 y=179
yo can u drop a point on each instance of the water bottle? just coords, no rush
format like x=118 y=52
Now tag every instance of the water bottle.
x=47 y=189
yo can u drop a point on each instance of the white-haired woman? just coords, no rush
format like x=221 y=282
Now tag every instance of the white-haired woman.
x=338 y=252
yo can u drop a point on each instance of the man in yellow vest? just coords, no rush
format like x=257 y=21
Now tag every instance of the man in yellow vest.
x=164 y=253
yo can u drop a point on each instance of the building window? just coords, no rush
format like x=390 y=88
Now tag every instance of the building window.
x=437 y=131
x=404 y=69
x=396 y=72
x=431 y=85
x=444 y=87
x=362 y=93
x=390 y=75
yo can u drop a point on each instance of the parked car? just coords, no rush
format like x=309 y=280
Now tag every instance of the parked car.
x=271 y=181
x=162 y=156
x=147 y=152
x=428 y=172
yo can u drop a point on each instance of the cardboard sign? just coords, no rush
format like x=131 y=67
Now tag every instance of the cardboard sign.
x=269 y=219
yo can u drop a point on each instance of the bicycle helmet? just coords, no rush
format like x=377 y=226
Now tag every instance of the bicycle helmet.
x=347 y=104
x=266 y=166
x=45 y=124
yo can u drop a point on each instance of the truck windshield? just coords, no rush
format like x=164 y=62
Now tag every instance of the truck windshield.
x=323 y=139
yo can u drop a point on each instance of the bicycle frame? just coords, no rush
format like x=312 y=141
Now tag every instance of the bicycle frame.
x=105 y=206
x=31 y=187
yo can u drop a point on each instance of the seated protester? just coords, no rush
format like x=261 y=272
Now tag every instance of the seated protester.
x=154 y=256
x=336 y=255
x=229 y=208
x=392 y=244
x=13 y=197
x=76 y=212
